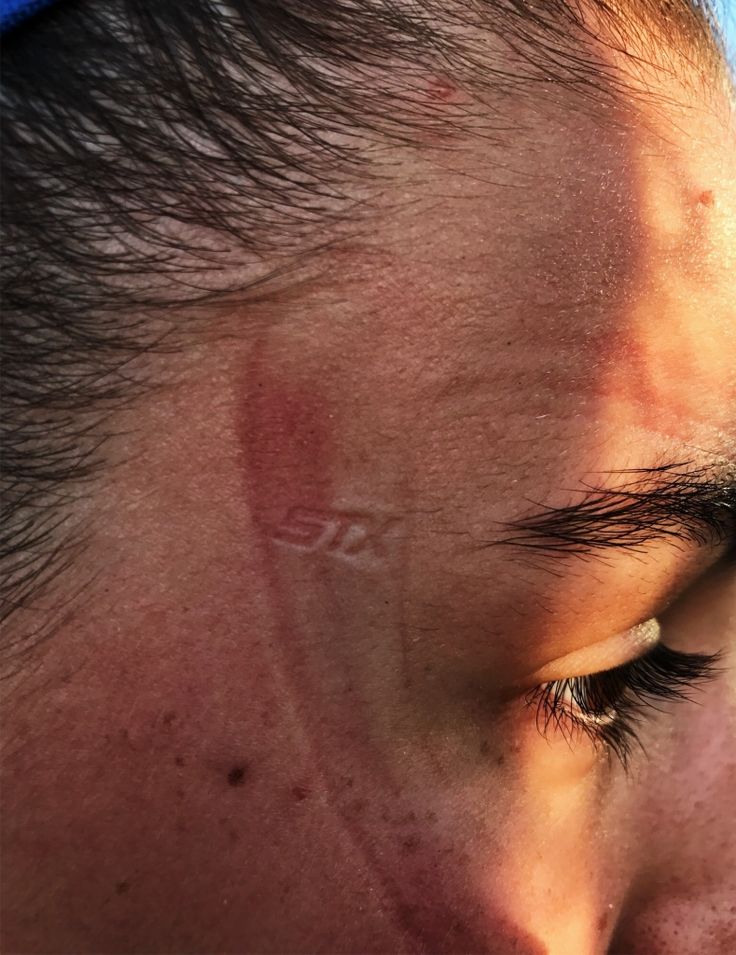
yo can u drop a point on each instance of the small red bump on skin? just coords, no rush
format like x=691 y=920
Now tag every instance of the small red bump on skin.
x=706 y=198
x=441 y=89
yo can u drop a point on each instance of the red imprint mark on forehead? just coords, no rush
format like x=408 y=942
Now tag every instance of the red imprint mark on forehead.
x=286 y=438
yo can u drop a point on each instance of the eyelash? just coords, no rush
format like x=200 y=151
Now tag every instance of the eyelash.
x=609 y=706
x=679 y=499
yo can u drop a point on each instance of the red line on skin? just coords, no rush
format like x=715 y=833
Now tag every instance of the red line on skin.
x=289 y=450
x=287 y=454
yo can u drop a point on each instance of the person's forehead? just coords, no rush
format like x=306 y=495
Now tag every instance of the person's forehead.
x=559 y=308
x=617 y=239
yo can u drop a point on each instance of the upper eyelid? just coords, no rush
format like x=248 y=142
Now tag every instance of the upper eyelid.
x=609 y=654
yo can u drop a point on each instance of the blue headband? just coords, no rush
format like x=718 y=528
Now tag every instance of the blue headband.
x=13 y=12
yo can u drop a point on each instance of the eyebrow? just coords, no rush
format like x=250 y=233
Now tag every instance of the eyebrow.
x=678 y=502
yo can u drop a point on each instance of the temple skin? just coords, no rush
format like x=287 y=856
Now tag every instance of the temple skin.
x=277 y=718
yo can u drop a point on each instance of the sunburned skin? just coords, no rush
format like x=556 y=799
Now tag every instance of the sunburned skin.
x=284 y=720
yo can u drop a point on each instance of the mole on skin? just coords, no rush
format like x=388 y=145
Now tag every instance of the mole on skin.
x=236 y=776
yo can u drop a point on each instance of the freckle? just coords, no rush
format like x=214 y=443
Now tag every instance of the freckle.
x=236 y=776
x=179 y=760
x=410 y=844
x=180 y=793
x=122 y=887
x=706 y=198
x=233 y=836
x=603 y=922
x=485 y=747
x=500 y=760
x=168 y=718
x=299 y=792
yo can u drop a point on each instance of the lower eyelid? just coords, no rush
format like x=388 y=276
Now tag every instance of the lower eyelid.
x=620 y=697
x=565 y=719
x=567 y=699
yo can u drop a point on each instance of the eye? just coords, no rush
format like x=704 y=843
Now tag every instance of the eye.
x=608 y=707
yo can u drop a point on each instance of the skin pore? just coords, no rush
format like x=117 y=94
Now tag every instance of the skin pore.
x=280 y=716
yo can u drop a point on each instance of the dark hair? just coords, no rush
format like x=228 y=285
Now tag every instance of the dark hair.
x=158 y=155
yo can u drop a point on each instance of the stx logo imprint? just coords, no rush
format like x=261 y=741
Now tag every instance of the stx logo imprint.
x=345 y=534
